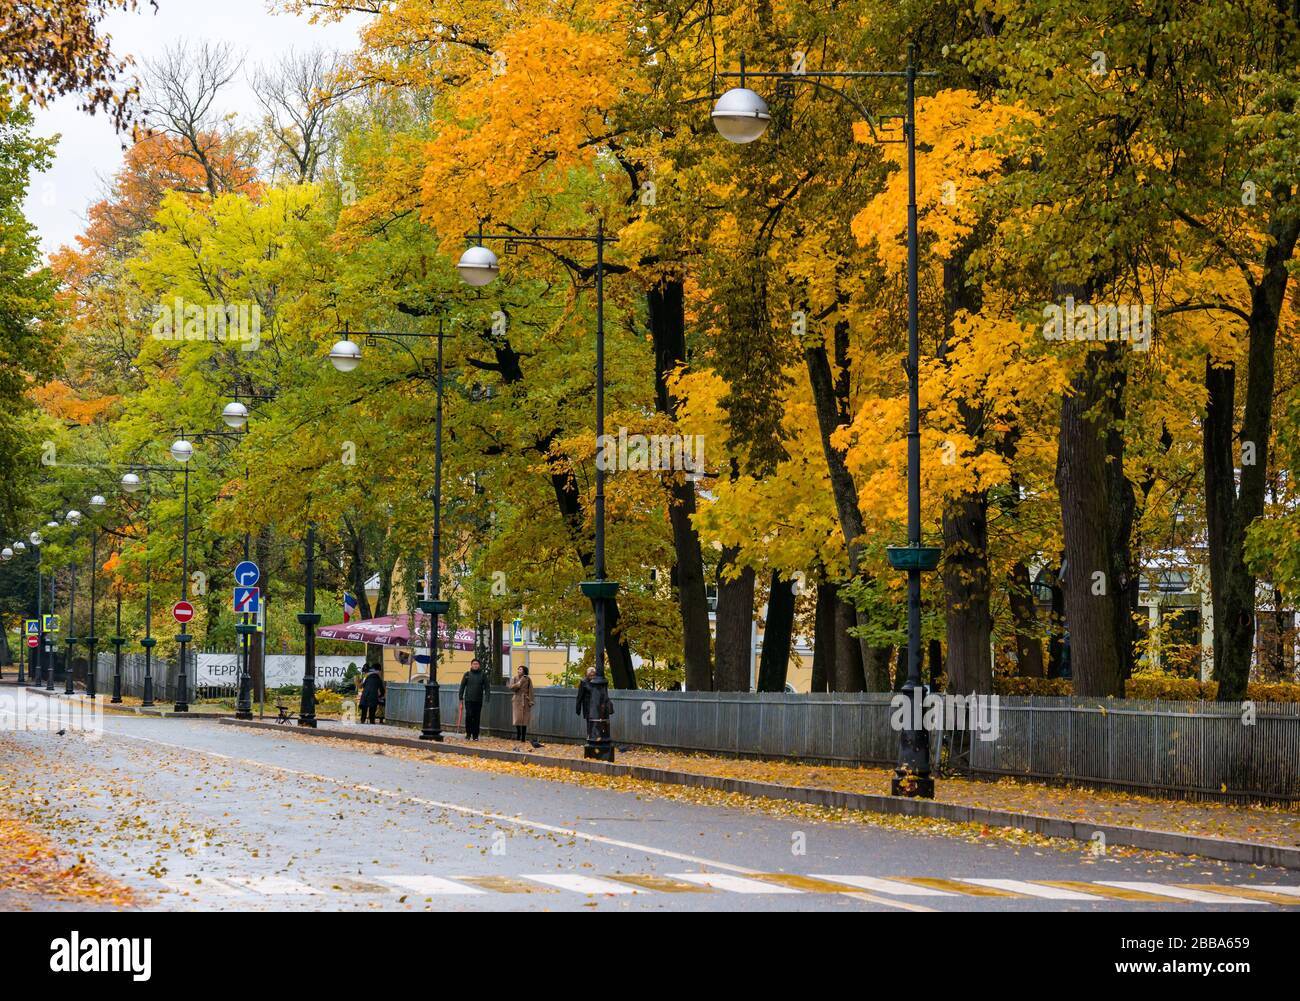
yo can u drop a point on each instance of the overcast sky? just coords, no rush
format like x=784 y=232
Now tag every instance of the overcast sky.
x=90 y=152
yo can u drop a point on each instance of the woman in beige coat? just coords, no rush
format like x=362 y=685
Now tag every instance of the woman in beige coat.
x=521 y=703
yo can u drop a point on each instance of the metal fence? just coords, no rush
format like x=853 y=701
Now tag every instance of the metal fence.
x=164 y=676
x=1203 y=749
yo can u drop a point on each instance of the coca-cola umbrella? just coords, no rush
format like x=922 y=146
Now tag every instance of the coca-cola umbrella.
x=395 y=630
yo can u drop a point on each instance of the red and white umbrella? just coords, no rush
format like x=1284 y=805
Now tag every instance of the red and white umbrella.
x=396 y=630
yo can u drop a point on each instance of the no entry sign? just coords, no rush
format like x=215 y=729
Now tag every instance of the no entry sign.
x=182 y=611
x=33 y=641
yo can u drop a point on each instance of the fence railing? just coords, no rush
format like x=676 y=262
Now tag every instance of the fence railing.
x=1202 y=749
x=163 y=672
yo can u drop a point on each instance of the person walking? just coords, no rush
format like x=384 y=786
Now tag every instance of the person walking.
x=588 y=708
x=372 y=693
x=521 y=703
x=475 y=690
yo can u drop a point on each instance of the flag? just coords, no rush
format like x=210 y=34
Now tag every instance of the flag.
x=349 y=606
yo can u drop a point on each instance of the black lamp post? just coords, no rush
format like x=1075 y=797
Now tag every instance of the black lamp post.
x=92 y=641
x=478 y=266
x=71 y=640
x=309 y=619
x=117 y=640
x=346 y=356
x=48 y=643
x=182 y=451
x=131 y=483
x=741 y=116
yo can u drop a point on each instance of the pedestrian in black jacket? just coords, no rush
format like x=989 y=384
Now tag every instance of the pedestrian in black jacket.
x=372 y=693
x=588 y=708
x=475 y=690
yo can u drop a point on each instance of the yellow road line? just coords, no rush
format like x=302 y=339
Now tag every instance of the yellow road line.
x=956 y=886
x=505 y=884
x=1247 y=893
x=663 y=884
x=1114 y=892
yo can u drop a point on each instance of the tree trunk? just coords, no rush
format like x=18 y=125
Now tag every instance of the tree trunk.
x=850 y=673
x=774 y=665
x=1056 y=638
x=668 y=331
x=966 y=595
x=823 y=665
x=1229 y=511
x=735 y=624
x=1024 y=620
x=831 y=407
x=934 y=663
x=1096 y=512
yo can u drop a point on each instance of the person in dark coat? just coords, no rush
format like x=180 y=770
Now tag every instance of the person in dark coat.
x=372 y=693
x=588 y=708
x=475 y=690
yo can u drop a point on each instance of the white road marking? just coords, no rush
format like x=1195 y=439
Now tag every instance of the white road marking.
x=207 y=883
x=1182 y=893
x=1033 y=889
x=430 y=885
x=583 y=884
x=733 y=884
x=275 y=886
x=887 y=886
x=1290 y=891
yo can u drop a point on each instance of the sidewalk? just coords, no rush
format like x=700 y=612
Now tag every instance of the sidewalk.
x=1258 y=824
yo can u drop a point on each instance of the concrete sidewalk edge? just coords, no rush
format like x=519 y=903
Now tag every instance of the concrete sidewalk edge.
x=1220 y=849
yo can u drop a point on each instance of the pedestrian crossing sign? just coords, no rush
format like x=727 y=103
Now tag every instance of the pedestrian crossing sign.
x=51 y=624
x=32 y=627
x=517 y=633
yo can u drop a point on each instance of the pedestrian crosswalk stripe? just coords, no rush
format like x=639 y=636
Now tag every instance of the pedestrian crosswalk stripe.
x=275 y=885
x=956 y=886
x=201 y=884
x=429 y=885
x=1103 y=890
x=1033 y=889
x=584 y=884
x=1180 y=893
x=350 y=884
x=733 y=884
x=808 y=884
x=888 y=886
x=1250 y=892
x=754 y=883
x=651 y=881
x=504 y=884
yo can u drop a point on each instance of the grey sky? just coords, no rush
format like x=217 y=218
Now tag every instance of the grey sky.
x=90 y=152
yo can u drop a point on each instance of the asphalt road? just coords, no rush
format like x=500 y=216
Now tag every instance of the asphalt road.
x=199 y=816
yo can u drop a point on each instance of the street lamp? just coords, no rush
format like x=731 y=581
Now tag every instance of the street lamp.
x=182 y=451
x=478 y=267
x=741 y=116
x=345 y=356
x=131 y=483
x=72 y=518
x=97 y=503
x=235 y=415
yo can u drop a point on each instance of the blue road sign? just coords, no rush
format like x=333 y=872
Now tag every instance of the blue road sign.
x=247 y=600
x=247 y=574
x=50 y=624
x=33 y=627
x=517 y=632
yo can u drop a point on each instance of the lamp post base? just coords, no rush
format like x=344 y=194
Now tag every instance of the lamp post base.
x=182 y=677
x=905 y=783
x=432 y=727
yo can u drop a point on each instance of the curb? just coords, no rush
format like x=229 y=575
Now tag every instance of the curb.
x=1219 y=849
x=154 y=711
